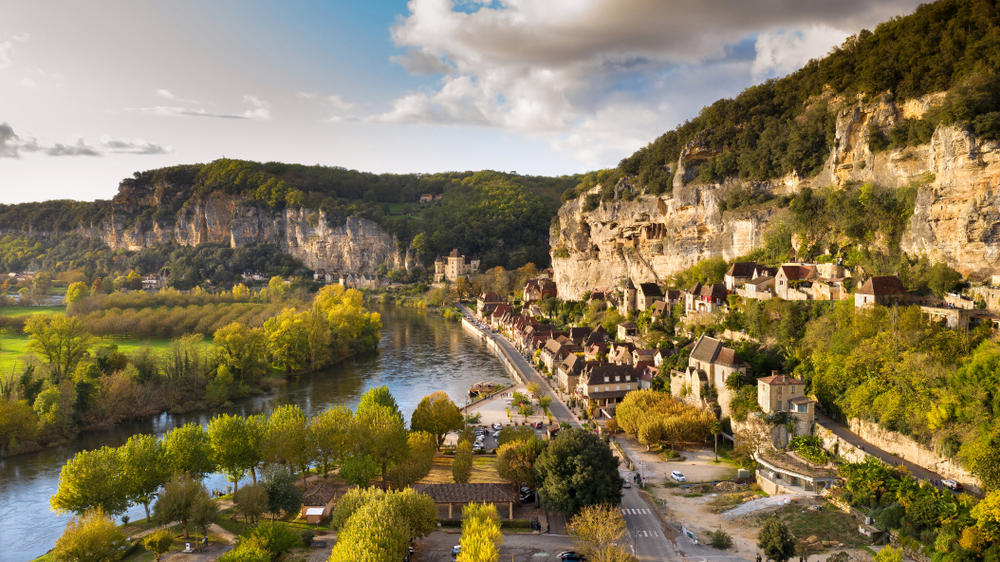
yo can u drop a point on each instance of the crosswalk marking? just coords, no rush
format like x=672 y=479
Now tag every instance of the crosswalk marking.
x=630 y=511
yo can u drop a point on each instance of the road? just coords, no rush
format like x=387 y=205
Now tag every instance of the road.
x=646 y=536
x=528 y=373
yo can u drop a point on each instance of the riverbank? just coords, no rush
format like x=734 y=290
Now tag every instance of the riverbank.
x=418 y=353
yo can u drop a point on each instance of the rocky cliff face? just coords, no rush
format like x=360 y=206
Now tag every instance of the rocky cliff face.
x=955 y=220
x=358 y=246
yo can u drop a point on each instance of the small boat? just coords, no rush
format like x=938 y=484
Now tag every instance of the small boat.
x=482 y=388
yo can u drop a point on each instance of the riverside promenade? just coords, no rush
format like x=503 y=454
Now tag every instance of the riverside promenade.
x=517 y=365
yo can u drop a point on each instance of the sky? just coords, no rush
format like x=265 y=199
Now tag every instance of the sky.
x=91 y=92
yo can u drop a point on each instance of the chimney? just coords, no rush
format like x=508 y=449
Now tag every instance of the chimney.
x=774 y=373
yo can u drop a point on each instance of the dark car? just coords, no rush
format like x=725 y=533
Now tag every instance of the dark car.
x=570 y=556
x=527 y=494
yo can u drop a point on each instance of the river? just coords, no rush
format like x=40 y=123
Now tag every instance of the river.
x=419 y=353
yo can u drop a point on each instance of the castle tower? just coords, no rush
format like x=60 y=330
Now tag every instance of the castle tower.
x=630 y=295
x=438 y=270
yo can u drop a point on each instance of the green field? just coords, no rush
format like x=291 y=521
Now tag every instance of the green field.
x=30 y=310
x=12 y=349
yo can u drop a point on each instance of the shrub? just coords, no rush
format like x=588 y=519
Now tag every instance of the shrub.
x=275 y=537
x=720 y=539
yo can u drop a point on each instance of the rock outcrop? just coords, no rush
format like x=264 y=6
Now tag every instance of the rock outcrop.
x=955 y=219
x=357 y=246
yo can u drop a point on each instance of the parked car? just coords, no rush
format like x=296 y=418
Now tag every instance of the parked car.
x=498 y=426
x=537 y=425
x=570 y=556
x=626 y=483
x=527 y=494
x=678 y=476
x=952 y=485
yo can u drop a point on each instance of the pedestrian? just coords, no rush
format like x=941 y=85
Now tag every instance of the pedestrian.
x=546 y=528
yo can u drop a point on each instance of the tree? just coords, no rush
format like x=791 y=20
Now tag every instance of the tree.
x=650 y=432
x=359 y=470
x=987 y=515
x=526 y=410
x=462 y=287
x=418 y=463
x=91 y=479
x=481 y=536
x=231 y=446
x=461 y=467
x=330 y=435
x=241 y=352
x=76 y=291
x=379 y=525
x=382 y=436
x=716 y=429
x=188 y=450
x=288 y=339
x=508 y=434
x=516 y=460
x=285 y=440
x=144 y=469
x=250 y=502
x=282 y=493
x=91 y=537
x=377 y=396
x=544 y=402
x=203 y=512
x=578 y=469
x=178 y=500
x=889 y=554
x=775 y=541
x=598 y=529
x=437 y=414
x=61 y=340
x=158 y=543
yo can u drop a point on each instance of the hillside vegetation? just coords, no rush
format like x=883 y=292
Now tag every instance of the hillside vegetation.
x=503 y=217
x=787 y=125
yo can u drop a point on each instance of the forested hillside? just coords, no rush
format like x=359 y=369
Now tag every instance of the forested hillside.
x=504 y=217
x=787 y=125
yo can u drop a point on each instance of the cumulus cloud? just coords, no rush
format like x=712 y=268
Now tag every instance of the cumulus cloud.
x=572 y=70
x=79 y=148
x=7 y=48
x=340 y=107
x=137 y=146
x=260 y=110
x=12 y=145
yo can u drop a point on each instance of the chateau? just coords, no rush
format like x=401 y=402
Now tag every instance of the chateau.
x=456 y=266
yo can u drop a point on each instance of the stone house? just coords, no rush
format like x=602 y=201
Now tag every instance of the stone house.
x=646 y=295
x=709 y=365
x=640 y=355
x=620 y=355
x=704 y=298
x=738 y=274
x=760 y=288
x=628 y=331
x=594 y=350
x=536 y=289
x=426 y=197
x=782 y=393
x=485 y=299
x=603 y=386
x=885 y=290
x=579 y=334
x=646 y=375
x=792 y=279
x=568 y=372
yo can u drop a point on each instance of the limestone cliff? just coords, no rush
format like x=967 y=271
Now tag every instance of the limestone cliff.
x=357 y=246
x=956 y=217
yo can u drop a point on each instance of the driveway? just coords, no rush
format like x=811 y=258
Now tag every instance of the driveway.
x=516 y=547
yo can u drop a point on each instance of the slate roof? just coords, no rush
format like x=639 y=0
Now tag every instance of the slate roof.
x=885 y=285
x=798 y=271
x=465 y=493
x=571 y=363
x=761 y=281
x=319 y=493
x=711 y=350
x=649 y=289
x=593 y=374
x=742 y=269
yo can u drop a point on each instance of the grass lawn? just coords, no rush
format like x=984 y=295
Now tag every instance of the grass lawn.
x=31 y=310
x=483 y=470
x=830 y=524
x=12 y=348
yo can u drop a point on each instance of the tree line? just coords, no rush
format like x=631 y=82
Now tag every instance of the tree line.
x=80 y=383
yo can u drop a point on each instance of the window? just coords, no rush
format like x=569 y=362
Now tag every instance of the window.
x=605 y=379
x=618 y=387
x=802 y=408
x=777 y=408
x=628 y=377
x=628 y=387
x=607 y=389
x=617 y=378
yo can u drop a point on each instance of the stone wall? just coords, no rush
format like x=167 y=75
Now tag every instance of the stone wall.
x=909 y=450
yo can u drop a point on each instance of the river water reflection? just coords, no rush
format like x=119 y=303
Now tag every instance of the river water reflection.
x=419 y=353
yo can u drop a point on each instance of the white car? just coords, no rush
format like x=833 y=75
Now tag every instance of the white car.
x=676 y=475
x=498 y=426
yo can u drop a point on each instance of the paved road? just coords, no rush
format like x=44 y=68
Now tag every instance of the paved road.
x=646 y=536
x=849 y=436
